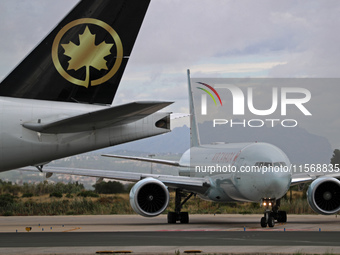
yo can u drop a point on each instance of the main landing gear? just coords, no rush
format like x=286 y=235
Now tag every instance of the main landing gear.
x=270 y=216
x=177 y=215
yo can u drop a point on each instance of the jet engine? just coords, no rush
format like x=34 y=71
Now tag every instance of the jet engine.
x=323 y=195
x=149 y=197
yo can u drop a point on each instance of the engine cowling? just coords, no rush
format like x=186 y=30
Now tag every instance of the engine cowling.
x=323 y=195
x=149 y=197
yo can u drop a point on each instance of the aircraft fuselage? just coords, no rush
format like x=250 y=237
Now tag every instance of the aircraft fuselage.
x=21 y=147
x=246 y=172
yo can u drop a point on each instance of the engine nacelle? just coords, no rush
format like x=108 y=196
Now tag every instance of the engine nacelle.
x=323 y=195
x=149 y=197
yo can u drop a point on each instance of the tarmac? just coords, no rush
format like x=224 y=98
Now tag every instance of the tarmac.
x=212 y=234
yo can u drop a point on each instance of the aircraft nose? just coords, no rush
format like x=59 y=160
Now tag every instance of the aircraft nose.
x=275 y=185
x=256 y=186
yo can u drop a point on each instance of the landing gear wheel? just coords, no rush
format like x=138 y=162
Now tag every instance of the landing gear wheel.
x=184 y=217
x=272 y=215
x=177 y=215
x=172 y=217
x=271 y=222
x=263 y=222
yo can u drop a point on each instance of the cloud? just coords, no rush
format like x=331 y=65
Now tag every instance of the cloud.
x=24 y=24
x=216 y=69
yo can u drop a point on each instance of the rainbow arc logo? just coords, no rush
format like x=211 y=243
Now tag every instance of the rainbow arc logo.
x=209 y=93
x=204 y=97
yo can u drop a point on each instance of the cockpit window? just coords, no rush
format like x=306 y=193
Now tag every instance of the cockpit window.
x=269 y=164
x=261 y=164
x=279 y=164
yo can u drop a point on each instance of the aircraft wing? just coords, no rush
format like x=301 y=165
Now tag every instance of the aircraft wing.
x=186 y=183
x=151 y=160
x=112 y=116
x=309 y=177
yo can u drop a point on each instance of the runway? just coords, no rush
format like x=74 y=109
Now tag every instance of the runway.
x=209 y=233
x=132 y=223
x=202 y=238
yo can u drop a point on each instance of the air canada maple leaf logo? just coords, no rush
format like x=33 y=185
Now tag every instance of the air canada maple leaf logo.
x=87 y=53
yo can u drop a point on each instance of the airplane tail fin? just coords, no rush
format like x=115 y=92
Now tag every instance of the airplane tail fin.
x=194 y=134
x=83 y=59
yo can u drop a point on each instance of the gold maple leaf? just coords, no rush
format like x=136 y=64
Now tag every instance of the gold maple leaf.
x=87 y=53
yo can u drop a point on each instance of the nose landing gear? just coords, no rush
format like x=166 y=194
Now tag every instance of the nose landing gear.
x=267 y=219
x=270 y=216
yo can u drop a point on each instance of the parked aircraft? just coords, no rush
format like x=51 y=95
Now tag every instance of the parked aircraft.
x=56 y=102
x=149 y=197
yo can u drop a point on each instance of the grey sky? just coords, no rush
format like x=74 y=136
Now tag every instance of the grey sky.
x=219 y=38
x=318 y=115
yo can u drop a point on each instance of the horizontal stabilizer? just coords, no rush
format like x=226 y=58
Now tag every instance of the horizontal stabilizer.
x=113 y=116
x=152 y=160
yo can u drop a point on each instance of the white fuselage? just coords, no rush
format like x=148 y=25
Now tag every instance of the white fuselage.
x=21 y=147
x=239 y=171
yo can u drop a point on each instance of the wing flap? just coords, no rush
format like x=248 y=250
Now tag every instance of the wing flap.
x=112 y=116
